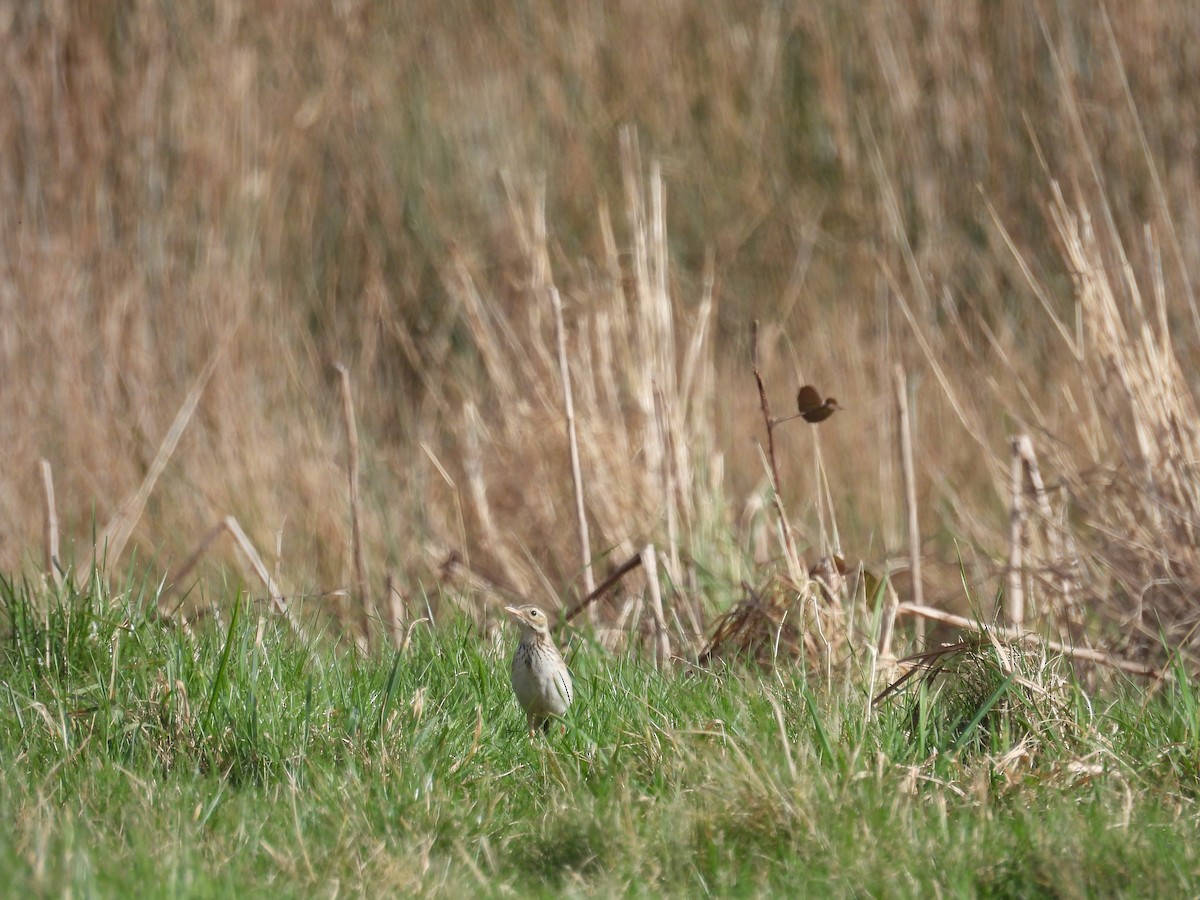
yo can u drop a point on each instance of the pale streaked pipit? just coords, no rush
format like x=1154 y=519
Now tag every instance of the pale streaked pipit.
x=540 y=678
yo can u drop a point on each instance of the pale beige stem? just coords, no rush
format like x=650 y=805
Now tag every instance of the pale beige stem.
x=795 y=568
x=909 y=472
x=53 y=567
x=1014 y=595
x=366 y=602
x=889 y=618
x=585 y=543
x=650 y=564
x=395 y=610
x=1054 y=533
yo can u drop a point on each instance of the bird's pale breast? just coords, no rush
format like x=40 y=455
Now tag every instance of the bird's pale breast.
x=540 y=680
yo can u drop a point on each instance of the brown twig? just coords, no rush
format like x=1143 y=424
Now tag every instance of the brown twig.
x=366 y=602
x=628 y=566
x=729 y=624
x=789 y=540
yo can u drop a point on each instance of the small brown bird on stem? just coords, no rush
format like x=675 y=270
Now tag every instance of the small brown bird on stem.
x=812 y=408
x=540 y=678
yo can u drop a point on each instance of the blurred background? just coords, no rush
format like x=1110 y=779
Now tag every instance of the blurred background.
x=993 y=206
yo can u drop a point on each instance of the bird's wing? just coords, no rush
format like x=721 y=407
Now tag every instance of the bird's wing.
x=562 y=684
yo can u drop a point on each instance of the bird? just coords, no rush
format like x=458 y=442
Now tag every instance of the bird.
x=812 y=408
x=540 y=677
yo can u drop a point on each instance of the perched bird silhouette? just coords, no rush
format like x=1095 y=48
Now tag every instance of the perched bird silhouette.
x=812 y=407
x=540 y=678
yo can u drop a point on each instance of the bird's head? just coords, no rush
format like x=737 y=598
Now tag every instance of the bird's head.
x=530 y=618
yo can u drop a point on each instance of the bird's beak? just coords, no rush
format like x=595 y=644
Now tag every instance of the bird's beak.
x=514 y=612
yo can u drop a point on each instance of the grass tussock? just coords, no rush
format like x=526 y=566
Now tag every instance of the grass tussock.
x=982 y=694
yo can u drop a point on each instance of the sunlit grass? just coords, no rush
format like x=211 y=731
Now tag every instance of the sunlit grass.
x=137 y=758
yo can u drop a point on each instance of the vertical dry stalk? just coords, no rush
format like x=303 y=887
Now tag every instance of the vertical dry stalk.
x=646 y=337
x=1023 y=447
x=366 y=603
x=585 y=543
x=650 y=564
x=1054 y=535
x=1014 y=595
x=626 y=622
x=674 y=568
x=889 y=618
x=51 y=525
x=654 y=334
x=632 y=397
x=908 y=470
x=395 y=610
x=789 y=541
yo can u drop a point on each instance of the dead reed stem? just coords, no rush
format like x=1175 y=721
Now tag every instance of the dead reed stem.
x=1015 y=634
x=395 y=610
x=50 y=542
x=1014 y=595
x=367 y=609
x=585 y=543
x=230 y=524
x=1023 y=446
x=889 y=619
x=667 y=432
x=909 y=473
x=1054 y=536
x=793 y=560
x=650 y=564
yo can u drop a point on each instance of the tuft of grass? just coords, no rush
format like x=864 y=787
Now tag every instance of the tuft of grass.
x=979 y=693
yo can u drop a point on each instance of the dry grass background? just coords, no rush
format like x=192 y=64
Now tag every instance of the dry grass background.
x=1001 y=198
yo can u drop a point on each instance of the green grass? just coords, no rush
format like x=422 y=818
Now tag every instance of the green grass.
x=138 y=759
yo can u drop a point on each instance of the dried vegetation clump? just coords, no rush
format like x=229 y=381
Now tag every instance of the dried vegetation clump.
x=783 y=622
x=1139 y=496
